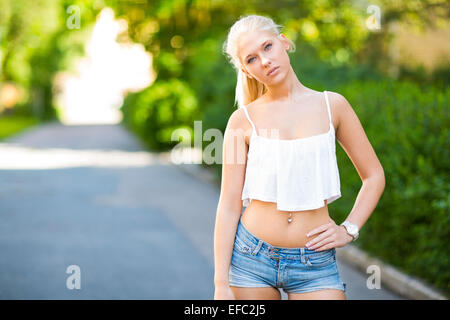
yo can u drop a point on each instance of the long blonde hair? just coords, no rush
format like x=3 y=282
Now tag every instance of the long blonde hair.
x=247 y=89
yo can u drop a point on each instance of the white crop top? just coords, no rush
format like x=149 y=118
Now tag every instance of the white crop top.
x=296 y=174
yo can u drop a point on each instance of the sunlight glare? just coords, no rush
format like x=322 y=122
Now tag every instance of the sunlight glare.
x=108 y=72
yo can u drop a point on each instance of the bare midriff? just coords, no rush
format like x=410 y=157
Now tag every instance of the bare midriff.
x=271 y=225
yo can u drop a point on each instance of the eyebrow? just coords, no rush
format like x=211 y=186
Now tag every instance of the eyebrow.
x=259 y=46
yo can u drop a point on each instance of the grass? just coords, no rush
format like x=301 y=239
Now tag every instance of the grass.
x=13 y=124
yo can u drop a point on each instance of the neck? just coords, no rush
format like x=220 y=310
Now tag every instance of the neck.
x=287 y=89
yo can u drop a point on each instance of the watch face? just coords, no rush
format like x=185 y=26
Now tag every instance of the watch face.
x=352 y=229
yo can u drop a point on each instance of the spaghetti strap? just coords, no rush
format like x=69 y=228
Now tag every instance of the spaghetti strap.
x=328 y=106
x=251 y=122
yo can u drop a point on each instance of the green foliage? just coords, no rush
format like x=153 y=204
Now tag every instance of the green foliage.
x=35 y=43
x=13 y=124
x=407 y=126
x=157 y=111
x=439 y=77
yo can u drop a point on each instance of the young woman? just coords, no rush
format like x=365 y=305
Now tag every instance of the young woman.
x=285 y=237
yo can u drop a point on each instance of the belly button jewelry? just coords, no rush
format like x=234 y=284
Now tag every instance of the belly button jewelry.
x=290 y=217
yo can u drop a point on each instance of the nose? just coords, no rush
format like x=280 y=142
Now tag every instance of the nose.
x=266 y=62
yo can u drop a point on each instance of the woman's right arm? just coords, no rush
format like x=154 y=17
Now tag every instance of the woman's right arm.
x=234 y=158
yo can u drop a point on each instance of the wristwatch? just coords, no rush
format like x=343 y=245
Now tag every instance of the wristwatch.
x=352 y=229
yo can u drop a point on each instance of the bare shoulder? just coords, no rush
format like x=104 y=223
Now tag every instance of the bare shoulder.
x=337 y=98
x=339 y=106
x=237 y=119
x=252 y=107
x=238 y=125
x=240 y=120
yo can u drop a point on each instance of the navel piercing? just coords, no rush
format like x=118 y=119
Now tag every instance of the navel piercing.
x=290 y=217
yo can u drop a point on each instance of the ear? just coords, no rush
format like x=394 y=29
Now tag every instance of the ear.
x=285 y=41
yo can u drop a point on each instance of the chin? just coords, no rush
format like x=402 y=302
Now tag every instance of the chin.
x=279 y=77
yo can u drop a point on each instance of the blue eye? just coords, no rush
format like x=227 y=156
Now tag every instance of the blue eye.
x=250 y=60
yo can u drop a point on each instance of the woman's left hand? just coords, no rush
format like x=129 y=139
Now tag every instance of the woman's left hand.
x=330 y=236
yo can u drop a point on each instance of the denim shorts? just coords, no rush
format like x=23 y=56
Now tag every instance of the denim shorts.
x=256 y=263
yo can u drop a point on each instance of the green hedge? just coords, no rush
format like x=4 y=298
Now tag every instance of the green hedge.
x=407 y=125
x=157 y=111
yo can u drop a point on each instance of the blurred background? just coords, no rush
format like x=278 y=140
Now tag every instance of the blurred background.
x=94 y=92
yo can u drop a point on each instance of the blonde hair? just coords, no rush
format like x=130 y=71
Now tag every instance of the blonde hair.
x=248 y=90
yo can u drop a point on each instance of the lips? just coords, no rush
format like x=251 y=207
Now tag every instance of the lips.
x=271 y=70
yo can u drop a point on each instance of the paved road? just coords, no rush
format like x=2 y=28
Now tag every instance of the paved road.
x=136 y=226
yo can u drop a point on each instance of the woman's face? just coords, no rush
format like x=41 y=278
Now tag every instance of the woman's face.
x=261 y=52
